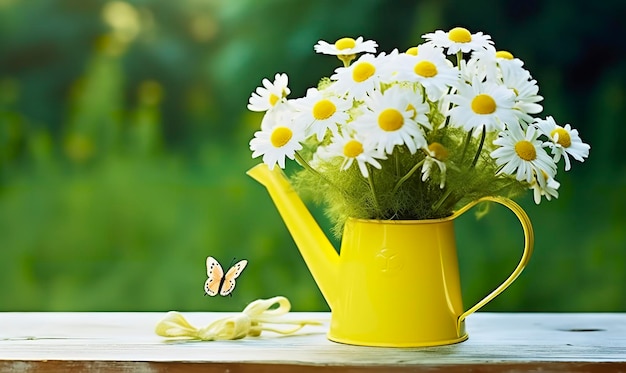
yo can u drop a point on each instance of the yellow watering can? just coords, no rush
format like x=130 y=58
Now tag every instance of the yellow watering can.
x=395 y=282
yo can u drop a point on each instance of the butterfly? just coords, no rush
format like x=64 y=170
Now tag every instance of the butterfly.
x=218 y=283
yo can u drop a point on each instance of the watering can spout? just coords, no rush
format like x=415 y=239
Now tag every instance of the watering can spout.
x=319 y=254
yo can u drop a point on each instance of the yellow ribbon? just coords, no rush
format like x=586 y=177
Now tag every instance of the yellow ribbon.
x=250 y=322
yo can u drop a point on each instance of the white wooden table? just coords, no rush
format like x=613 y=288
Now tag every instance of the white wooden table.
x=126 y=342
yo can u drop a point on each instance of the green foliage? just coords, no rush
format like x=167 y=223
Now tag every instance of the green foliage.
x=122 y=163
x=397 y=190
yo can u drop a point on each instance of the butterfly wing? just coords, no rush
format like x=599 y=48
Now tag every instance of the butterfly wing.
x=215 y=273
x=231 y=275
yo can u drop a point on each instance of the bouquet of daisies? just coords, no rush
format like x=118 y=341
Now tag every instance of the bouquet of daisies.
x=414 y=135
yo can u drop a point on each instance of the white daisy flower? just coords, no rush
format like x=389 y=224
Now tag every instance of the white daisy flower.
x=319 y=112
x=458 y=39
x=506 y=58
x=525 y=88
x=388 y=66
x=353 y=148
x=430 y=68
x=565 y=141
x=389 y=121
x=522 y=155
x=412 y=51
x=280 y=114
x=544 y=186
x=477 y=69
x=486 y=64
x=358 y=79
x=436 y=154
x=266 y=97
x=276 y=143
x=483 y=104
x=346 y=46
x=501 y=66
x=441 y=112
x=482 y=65
x=417 y=103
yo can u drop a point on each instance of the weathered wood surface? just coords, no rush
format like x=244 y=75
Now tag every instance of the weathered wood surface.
x=127 y=342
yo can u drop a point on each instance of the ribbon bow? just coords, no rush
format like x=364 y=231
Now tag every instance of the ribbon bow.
x=250 y=322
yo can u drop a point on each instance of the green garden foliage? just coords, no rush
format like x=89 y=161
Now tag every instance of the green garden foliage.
x=124 y=145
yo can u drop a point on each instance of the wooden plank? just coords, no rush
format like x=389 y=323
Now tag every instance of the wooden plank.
x=126 y=341
x=198 y=367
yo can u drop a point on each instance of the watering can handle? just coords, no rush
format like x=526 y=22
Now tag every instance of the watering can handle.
x=528 y=249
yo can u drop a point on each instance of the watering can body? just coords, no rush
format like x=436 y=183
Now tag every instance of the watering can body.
x=398 y=284
x=395 y=283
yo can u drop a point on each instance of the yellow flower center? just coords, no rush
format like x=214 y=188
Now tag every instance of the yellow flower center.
x=390 y=120
x=363 y=71
x=412 y=51
x=564 y=138
x=352 y=149
x=273 y=99
x=483 y=104
x=526 y=150
x=280 y=136
x=323 y=109
x=460 y=35
x=426 y=69
x=439 y=151
x=345 y=43
x=504 y=54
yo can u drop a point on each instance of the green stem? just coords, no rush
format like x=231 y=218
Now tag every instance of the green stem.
x=397 y=161
x=306 y=165
x=459 y=58
x=480 y=147
x=407 y=176
x=346 y=59
x=437 y=205
x=466 y=144
x=503 y=188
x=370 y=179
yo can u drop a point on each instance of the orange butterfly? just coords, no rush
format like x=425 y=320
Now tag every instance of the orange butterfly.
x=218 y=283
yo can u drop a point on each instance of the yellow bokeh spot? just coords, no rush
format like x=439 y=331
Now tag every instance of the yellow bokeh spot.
x=390 y=120
x=203 y=27
x=504 y=54
x=460 y=35
x=363 y=71
x=483 y=104
x=323 y=109
x=123 y=18
x=280 y=136
x=426 y=69
x=273 y=99
x=352 y=149
x=412 y=51
x=526 y=150
x=345 y=43
x=564 y=138
x=439 y=151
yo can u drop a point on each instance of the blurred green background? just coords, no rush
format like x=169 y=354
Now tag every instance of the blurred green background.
x=124 y=145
